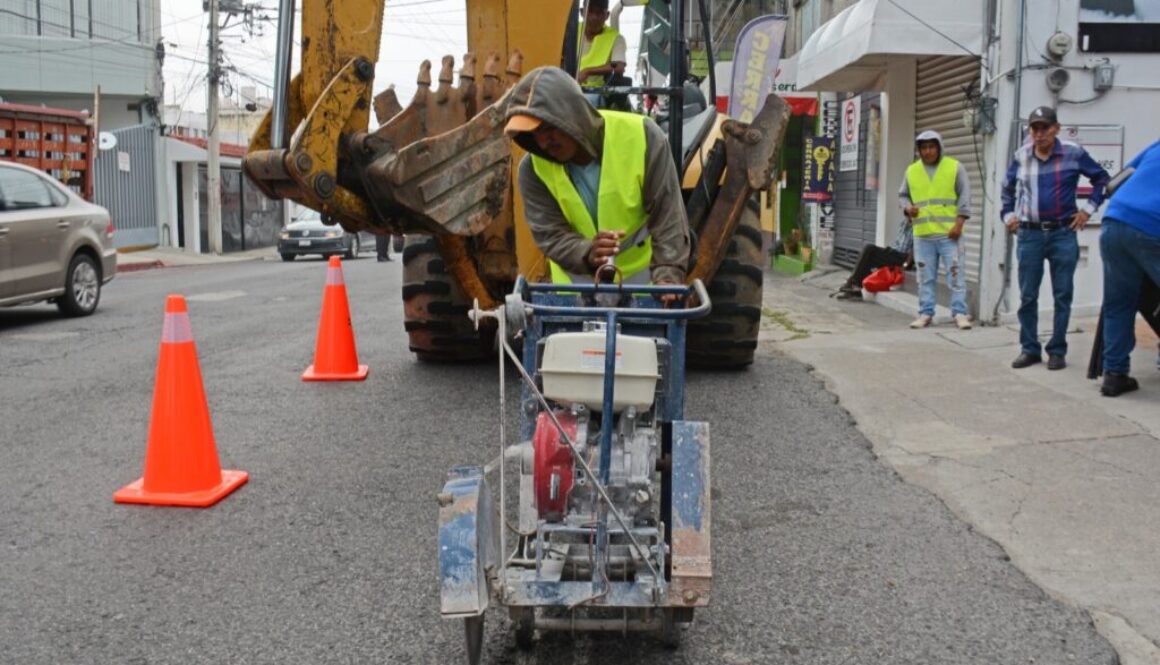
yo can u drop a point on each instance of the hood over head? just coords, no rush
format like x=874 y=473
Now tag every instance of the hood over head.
x=552 y=96
x=930 y=135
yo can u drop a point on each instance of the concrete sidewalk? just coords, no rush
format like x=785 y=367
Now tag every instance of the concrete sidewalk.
x=1065 y=480
x=166 y=257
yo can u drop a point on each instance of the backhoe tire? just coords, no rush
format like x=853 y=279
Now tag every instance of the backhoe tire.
x=727 y=337
x=435 y=308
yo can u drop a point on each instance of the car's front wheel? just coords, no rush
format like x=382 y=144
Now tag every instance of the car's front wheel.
x=352 y=251
x=82 y=287
x=287 y=257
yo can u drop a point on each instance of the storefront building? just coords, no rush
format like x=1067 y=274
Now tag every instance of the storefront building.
x=903 y=66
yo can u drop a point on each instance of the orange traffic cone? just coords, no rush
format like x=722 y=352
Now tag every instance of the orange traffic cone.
x=335 y=356
x=181 y=462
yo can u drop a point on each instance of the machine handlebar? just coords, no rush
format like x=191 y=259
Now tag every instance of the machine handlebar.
x=697 y=287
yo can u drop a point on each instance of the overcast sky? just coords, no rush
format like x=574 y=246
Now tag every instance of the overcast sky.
x=413 y=30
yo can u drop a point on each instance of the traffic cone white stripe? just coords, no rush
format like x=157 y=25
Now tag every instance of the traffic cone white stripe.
x=176 y=329
x=334 y=277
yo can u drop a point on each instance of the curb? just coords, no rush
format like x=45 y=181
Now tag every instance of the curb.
x=140 y=265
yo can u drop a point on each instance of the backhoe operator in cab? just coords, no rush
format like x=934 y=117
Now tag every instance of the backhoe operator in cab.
x=603 y=51
x=596 y=185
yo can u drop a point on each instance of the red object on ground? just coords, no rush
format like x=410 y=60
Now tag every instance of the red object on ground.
x=335 y=355
x=883 y=279
x=181 y=461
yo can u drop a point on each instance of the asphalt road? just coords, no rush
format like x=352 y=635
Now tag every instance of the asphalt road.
x=327 y=555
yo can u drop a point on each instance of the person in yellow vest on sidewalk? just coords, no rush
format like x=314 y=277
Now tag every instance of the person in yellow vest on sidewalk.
x=597 y=186
x=603 y=51
x=936 y=196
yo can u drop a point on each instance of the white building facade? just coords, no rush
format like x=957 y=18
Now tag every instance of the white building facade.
x=902 y=66
x=104 y=57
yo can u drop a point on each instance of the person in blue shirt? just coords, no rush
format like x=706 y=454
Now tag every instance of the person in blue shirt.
x=1130 y=248
x=1039 y=204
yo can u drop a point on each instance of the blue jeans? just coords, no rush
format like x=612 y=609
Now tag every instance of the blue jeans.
x=1129 y=255
x=1060 y=248
x=928 y=253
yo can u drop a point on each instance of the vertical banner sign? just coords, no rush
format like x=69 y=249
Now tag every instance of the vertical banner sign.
x=754 y=65
x=850 y=123
x=818 y=168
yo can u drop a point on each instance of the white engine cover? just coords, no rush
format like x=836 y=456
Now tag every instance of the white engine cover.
x=573 y=370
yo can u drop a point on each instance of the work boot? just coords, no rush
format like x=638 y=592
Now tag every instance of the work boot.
x=1118 y=384
x=922 y=321
x=963 y=321
x=1055 y=362
x=1025 y=360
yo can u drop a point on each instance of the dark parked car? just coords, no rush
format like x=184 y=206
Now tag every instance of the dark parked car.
x=54 y=245
x=306 y=234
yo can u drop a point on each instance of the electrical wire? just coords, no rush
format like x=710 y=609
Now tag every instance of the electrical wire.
x=128 y=39
x=1089 y=100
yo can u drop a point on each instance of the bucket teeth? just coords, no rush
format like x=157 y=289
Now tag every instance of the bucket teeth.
x=386 y=105
x=461 y=130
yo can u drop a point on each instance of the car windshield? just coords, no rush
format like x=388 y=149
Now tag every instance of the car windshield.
x=308 y=216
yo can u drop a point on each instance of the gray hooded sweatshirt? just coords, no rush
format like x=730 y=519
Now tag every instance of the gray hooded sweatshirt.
x=962 y=182
x=550 y=94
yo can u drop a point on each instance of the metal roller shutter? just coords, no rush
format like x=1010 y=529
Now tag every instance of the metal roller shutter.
x=855 y=207
x=941 y=98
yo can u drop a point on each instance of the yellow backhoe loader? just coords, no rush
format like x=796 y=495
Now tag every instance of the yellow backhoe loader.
x=441 y=170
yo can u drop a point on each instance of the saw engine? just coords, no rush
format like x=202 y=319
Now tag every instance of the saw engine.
x=563 y=494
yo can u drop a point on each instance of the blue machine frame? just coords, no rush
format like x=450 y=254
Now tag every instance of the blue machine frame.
x=685 y=582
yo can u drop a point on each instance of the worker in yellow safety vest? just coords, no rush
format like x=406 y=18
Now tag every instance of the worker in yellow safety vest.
x=603 y=51
x=598 y=187
x=936 y=195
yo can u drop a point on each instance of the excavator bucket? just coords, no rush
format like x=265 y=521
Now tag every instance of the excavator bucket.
x=450 y=172
x=439 y=166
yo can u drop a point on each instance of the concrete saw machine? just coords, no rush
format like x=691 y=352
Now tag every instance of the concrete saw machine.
x=608 y=526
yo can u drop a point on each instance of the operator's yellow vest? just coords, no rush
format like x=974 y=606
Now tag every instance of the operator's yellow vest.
x=598 y=54
x=935 y=197
x=619 y=200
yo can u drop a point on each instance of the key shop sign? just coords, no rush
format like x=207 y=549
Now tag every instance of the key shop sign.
x=850 y=120
x=818 y=168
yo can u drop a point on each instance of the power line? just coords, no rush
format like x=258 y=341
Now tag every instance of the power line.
x=134 y=35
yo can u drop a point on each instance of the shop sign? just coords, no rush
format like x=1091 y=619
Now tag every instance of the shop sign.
x=850 y=123
x=818 y=168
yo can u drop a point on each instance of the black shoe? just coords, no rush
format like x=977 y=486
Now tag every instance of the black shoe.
x=1117 y=384
x=849 y=295
x=1025 y=360
x=1056 y=362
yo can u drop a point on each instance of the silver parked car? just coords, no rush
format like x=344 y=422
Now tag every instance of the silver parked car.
x=54 y=245
x=306 y=234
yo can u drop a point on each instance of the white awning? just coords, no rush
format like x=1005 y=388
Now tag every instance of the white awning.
x=851 y=51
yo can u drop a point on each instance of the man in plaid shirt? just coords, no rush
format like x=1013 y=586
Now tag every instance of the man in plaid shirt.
x=1039 y=204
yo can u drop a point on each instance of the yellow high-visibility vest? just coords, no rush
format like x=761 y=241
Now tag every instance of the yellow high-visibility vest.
x=935 y=197
x=619 y=199
x=598 y=54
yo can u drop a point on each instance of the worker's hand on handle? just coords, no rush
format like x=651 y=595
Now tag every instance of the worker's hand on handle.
x=605 y=246
x=669 y=299
x=910 y=211
x=1080 y=220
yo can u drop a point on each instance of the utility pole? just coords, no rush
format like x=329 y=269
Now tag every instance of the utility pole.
x=213 y=167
